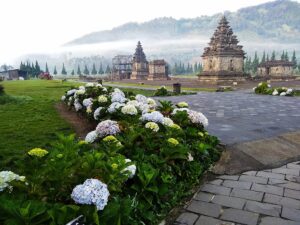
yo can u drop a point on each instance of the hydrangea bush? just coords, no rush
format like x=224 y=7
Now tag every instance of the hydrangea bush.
x=141 y=160
x=267 y=89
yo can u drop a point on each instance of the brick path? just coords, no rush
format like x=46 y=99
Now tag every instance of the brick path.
x=268 y=197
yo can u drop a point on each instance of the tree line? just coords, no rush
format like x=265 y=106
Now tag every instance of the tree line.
x=34 y=69
x=181 y=68
x=251 y=65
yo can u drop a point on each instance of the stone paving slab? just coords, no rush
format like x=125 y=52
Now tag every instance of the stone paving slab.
x=247 y=199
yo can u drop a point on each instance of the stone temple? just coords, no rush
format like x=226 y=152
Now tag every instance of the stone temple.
x=223 y=59
x=140 y=68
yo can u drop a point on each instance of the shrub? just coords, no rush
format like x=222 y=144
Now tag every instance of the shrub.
x=266 y=89
x=138 y=163
x=1 y=90
x=162 y=91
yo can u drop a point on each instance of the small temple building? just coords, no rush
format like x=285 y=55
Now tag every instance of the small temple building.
x=122 y=67
x=140 y=68
x=158 y=70
x=223 y=59
x=275 y=69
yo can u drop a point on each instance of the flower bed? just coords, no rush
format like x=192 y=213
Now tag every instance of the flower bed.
x=266 y=89
x=141 y=160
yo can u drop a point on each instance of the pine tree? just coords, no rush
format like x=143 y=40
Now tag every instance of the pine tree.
x=63 y=71
x=101 y=69
x=294 y=60
x=255 y=63
x=107 y=71
x=273 y=57
x=73 y=72
x=94 y=71
x=267 y=58
x=263 y=59
x=282 y=56
x=55 y=71
x=78 y=71
x=47 y=69
x=200 y=67
x=286 y=56
x=86 y=71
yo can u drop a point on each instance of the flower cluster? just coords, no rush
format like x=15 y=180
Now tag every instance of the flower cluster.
x=118 y=96
x=152 y=126
x=265 y=88
x=155 y=116
x=129 y=110
x=182 y=105
x=107 y=127
x=114 y=107
x=91 y=137
x=97 y=113
x=91 y=192
x=38 y=152
x=197 y=118
x=131 y=168
x=102 y=99
x=6 y=177
x=173 y=141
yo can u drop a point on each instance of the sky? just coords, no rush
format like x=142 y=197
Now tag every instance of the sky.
x=38 y=26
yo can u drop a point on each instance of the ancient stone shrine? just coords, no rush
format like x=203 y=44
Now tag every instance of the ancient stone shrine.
x=223 y=59
x=140 y=69
x=158 y=70
x=276 y=69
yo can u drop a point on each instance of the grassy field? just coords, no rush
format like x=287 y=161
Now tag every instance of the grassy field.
x=28 y=117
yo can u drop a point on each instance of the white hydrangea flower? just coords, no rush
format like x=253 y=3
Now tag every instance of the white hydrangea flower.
x=183 y=105
x=114 y=107
x=129 y=110
x=190 y=157
x=89 y=109
x=87 y=102
x=99 y=85
x=283 y=94
x=197 y=118
x=91 y=137
x=141 y=98
x=107 y=127
x=71 y=92
x=97 y=113
x=102 y=99
x=151 y=102
x=254 y=88
x=260 y=84
x=104 y=89
x=289 y=91
x=92 y=191
x=79 y=92
x=6 y=177
x=77 y=106
x=153 y=116
x=269 y=85
x=131 y=169
x=180 y=110
x=118 y=97
x=81 y=88
x=90 y=84
x=275 y=92
x=133 y=102
x=145 y=108
x=167 y=122
x=152 y=126
x=63 y=98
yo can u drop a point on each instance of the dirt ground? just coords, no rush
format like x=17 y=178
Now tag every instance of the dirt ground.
x=80 y=124
x=194 y=83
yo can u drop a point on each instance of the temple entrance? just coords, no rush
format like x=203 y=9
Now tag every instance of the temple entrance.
x=267 y=70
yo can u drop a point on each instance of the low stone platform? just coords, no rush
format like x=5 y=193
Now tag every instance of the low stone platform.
x=268 y=197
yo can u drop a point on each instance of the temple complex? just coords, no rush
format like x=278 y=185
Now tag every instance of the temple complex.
x=275 y=69
x=223 y=59
x=158 y=70
x=140 y=69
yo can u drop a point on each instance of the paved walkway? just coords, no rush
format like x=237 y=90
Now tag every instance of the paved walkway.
x=241 y=116
x=268 y=197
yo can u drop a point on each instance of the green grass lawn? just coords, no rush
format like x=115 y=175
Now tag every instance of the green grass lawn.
x=29 y=119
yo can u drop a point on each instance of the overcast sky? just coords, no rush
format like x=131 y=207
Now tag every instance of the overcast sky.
x=42 y=25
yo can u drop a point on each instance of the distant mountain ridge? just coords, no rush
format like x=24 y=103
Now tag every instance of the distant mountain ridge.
x=277 y=21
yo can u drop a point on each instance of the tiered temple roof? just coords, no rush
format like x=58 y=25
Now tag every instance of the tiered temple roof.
x=274 y=63
x=224 y=42
x=139 y=55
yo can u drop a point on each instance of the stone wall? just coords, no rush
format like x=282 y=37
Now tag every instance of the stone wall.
x=140 y=71
x=216 y=63
x=275 y=71
x=157 y=72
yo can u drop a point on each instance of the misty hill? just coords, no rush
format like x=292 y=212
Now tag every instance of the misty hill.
x=277 y=21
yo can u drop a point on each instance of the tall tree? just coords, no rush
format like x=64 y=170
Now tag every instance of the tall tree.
x=63 y=71
x=294 y=59
x=94 y=71
x=263 y=59
x=47 y=69
x=78 y=71
x=86 y=70
x=108 y=70
x=267 y=58
x=286 y=56
x=101 y=69
x=273 y=57
x=73 y=72
x=55 y=71
x=255 y=63
x=282 y=56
